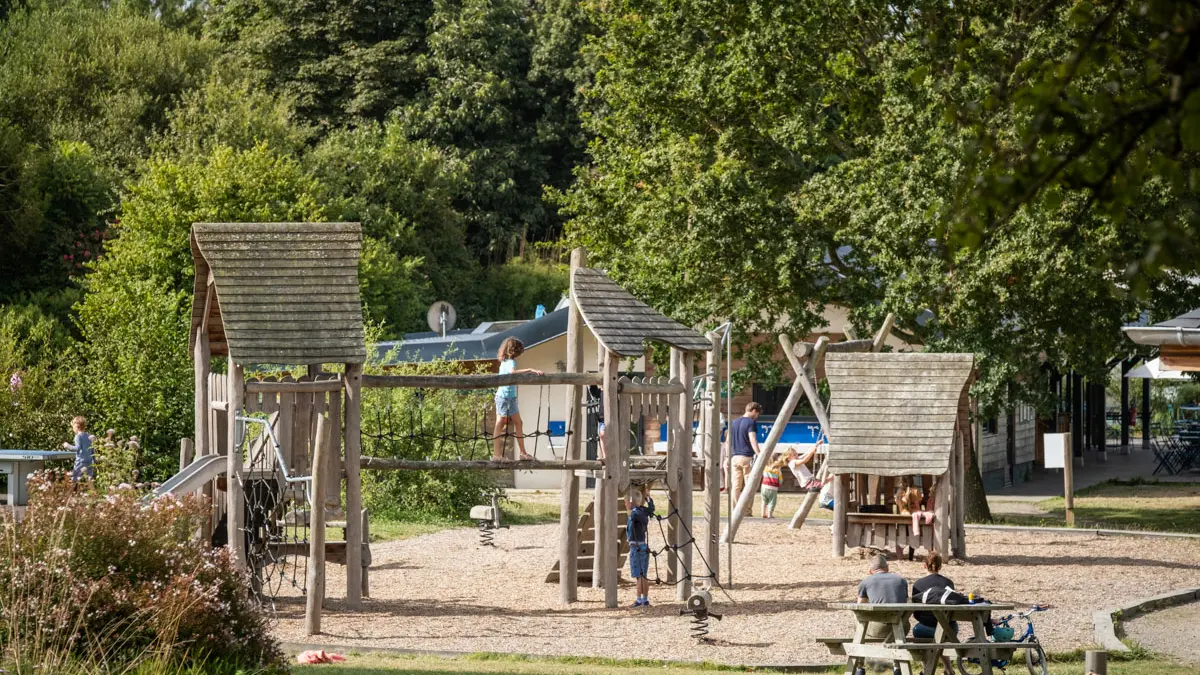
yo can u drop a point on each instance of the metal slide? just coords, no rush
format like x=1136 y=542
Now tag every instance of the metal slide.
x=194 y=476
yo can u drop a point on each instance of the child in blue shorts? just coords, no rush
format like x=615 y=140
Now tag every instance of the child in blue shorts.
x=641 y=508
x=508 y=415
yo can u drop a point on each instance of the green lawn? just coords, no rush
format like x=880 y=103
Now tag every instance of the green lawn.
x=484 y=664
x=1137 y=505
x=529 y=509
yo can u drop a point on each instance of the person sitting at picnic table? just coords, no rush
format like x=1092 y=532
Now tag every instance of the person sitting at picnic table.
x=881 y=587
x=926 y=626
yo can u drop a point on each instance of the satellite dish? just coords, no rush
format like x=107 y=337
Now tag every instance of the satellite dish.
x=441 y=317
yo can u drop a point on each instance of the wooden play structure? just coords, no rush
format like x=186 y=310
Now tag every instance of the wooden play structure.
x=892 y=418
x=280 y=295
x=273 y=450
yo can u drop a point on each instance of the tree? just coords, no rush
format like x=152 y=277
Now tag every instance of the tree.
x=341 y=61
x=52 y=214
x=102 y=75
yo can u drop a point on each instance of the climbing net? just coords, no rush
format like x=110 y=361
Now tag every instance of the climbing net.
x=277 y=513
x=452 y=424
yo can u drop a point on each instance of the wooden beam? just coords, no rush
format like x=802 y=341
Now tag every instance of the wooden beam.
x=712 y=458
x=617 y=454
x=235 y=501
x=885 y=331
x=683 y=590
x=315 y=597
x=354 y=508
x=568 y=520
x=393 y=464
x=315 y=387
x=478 y=381
x=841 y=493
x=648 y=388
x=674 y=470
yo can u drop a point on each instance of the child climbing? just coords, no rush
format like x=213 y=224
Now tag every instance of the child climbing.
x=641 y=508
x=772 y=477
x=84 y=460
x=508 y=416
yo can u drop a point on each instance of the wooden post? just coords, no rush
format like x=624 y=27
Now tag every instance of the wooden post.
x=1095 y=662
x=202 y=366
x=617 y=443
x=712 y=457
x=960 y=482
x=1077 y=423
x=1069 y=487
x=674 y=470
x=315 y=597
x=841 y=494
x=941 y=514
x=686 y=534
x=599 y=514
x=366 y=570
x=568 y=519
x=186 y=453
x=354 y=512
x=235 y=502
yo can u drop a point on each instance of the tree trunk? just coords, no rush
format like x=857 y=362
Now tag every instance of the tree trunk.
x=975 y=506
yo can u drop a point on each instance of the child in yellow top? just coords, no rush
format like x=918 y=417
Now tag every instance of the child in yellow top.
x=769 y=492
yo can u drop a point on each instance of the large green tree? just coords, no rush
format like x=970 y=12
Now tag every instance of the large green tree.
x=342 y=61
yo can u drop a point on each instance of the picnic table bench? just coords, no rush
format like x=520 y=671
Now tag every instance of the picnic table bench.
x=902 y=650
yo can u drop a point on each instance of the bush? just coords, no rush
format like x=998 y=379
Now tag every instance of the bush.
x=95 y=582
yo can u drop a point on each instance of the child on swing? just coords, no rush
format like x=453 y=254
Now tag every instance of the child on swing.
x=772 y=478
x=508 y=416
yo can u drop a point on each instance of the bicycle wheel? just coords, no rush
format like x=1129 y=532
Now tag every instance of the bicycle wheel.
x=1035 y=658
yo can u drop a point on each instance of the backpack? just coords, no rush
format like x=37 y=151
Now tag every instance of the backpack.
x=943 y=596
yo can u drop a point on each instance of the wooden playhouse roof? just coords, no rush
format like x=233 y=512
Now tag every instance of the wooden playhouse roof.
x=622 y=323
x=894 y=414
x=284 y=293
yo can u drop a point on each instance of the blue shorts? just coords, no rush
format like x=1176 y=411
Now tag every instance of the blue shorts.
x=639 y=560
x=506 y=407
x=920 y=630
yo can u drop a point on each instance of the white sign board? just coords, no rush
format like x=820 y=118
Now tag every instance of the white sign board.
x=1055 y=448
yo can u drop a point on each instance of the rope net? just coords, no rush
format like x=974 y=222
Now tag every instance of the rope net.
x=455 y=425
x=277 y=513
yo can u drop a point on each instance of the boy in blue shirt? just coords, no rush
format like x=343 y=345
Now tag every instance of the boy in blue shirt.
x=641 y=508
x=82 y=447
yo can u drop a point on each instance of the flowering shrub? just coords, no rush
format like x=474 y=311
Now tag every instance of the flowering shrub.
x=117 y=459
x=89 y=573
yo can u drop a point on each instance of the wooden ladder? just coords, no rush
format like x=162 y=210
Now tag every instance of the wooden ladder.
x=587 y=528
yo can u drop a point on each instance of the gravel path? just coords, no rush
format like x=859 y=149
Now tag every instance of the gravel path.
x=442 y=592
x=1173 y=632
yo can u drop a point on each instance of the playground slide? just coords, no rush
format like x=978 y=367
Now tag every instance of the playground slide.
x=194 y=476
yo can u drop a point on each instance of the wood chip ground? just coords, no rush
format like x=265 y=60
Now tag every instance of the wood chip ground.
x=443 y=592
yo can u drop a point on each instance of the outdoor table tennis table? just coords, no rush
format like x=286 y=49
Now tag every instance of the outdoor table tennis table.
x=16 y=465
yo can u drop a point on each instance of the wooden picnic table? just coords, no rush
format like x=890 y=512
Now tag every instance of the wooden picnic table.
x=900 y=650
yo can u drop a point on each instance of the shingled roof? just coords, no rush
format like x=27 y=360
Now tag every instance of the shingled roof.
x=894 y=414
x=622 y=323
x=285 y=293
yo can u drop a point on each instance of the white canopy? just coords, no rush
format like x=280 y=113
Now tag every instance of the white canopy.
x=1153 y=370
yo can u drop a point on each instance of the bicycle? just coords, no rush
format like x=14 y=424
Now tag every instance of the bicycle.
x=1035 y=656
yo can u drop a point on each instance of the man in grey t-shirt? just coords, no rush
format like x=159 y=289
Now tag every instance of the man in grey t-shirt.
x=882 y=586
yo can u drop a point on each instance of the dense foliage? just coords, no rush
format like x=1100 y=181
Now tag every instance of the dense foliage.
x=759 y=160
x=1013 y=179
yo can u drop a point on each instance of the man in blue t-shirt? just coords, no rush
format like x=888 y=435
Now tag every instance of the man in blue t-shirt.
x=743 y=446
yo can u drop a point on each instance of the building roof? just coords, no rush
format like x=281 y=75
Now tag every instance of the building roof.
x=622 y=323
x=1182 y=331
x=285 y=293
x=478 y=344
x=894 y=414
